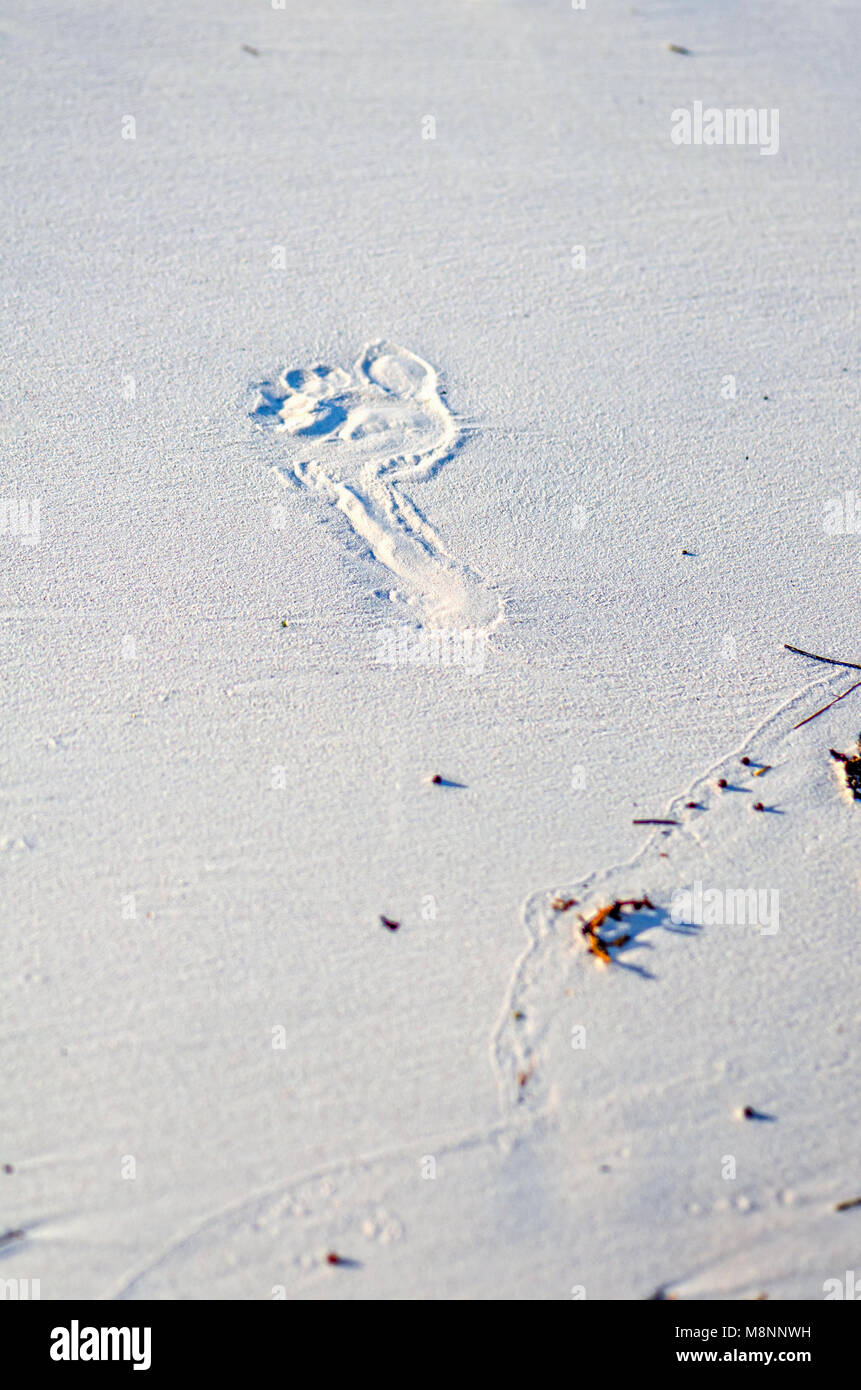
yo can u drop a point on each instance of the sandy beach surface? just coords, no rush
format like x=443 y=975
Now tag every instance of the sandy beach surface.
x=388 y=396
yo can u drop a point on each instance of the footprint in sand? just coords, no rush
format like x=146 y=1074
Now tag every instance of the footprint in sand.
x=357 y=438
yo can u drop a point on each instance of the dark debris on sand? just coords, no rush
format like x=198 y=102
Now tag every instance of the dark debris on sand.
x=851 y=768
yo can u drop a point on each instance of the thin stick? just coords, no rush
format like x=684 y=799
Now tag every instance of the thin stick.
x=829 y=660
x=663 y=822
x=830 y=703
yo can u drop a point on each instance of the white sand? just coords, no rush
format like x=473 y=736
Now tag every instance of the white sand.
x=206 y=812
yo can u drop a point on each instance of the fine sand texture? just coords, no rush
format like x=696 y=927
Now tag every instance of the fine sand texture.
x=426 y=436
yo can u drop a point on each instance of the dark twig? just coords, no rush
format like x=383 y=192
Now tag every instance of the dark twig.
x=829 y=660
x=835 y=701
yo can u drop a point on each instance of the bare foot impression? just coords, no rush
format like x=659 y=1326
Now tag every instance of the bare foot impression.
x=358 y=437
